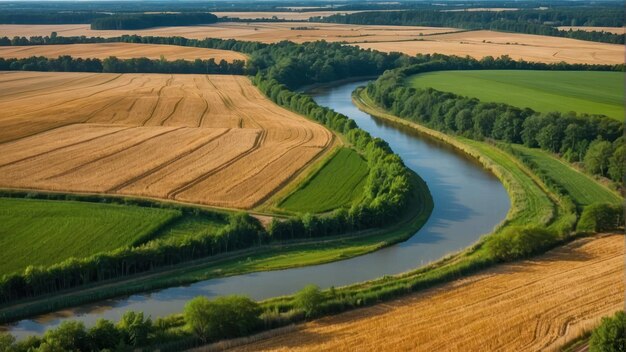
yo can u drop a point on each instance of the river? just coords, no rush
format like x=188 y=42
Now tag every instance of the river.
x=468 y=202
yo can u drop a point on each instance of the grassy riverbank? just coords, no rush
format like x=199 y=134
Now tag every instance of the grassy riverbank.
x=276 y=256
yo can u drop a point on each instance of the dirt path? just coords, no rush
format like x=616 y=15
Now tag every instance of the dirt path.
x=532 y=305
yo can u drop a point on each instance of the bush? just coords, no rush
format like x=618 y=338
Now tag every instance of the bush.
x=519 y=242
x=610 y=336
x=601 y=217
x=224 y=317
x=309 y=300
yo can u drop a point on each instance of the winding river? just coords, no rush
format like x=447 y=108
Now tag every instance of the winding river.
x=469 y=202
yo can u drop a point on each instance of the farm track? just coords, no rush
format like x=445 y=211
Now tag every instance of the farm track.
x=531 y=305
x=213 y=140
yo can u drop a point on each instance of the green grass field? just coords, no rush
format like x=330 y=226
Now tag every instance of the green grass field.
x=583 y=189
x=338 y=183
x=44 y=232
x=191 y=225
x=544 y=91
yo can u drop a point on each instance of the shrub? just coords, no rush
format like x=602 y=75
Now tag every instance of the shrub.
x=518 y=242
x=610 y=336
x=600 y=217
x=224 y=317
x=309 y=300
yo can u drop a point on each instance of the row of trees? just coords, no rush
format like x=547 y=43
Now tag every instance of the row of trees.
x=203 y=320
x=387 y=188
x=148 y=20
x=531 y=21
x=114 y=65
x=593 y=140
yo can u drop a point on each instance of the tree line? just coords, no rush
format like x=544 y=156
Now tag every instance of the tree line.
x=529 y=21
x=596 y=141
x=146 y=20
x=114 y=65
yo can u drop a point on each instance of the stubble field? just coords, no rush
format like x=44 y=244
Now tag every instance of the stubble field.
x=479 y=44
x=410 y=40
x=266 y=32
x=208 y=139
x=122 y=51
x=530 y=305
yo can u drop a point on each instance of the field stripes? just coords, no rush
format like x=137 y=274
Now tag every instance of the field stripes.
x=213 y=140
x=338 y=183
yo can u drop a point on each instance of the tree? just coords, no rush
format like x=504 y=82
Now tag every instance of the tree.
x=616 y=163
x=6 y=342
x=224 y=317
x=103 y=335
x=198 y=317
x=69 y=336
x=597 y=157
x=610 y=336
x=134 y=328
x=309 y=300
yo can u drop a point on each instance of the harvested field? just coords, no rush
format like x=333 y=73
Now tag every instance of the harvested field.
x=262 y=32
x=530 y=305
x=122 y=51
x=479 y=44
x=616 y=30
x=210 y=139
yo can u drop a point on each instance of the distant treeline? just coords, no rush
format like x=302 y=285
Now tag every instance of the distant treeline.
x=142 y=20
x=595 y=141
x=529 y=21
x=105 y=21
x=115 y=65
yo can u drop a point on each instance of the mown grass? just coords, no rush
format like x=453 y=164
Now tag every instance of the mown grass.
x=45 y=232
x=338 y=183
x=544 y=91
x=583 y=189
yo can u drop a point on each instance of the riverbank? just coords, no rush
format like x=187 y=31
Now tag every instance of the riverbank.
x=280 y=256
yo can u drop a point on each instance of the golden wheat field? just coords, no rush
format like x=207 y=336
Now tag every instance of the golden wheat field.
x=210 y=139
x=531 y=305
x=479 y=44
x=266 y=32
x=616 y=30
x=122 y=51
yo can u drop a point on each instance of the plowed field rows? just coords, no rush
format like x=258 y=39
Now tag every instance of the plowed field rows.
x=205 y=139
x=533 y=305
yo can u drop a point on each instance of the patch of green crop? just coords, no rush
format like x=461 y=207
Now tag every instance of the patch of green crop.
x=544 y=91
x=45 y=232
x=338 y=183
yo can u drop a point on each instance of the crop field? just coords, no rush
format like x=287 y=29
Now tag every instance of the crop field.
x=44 y=232
x=530 y=305
x=339 y=183
x=267 y=32
x=581 y=91
x=582 y=188
x=122 y=51
x=479 y=44
x=210 y=139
